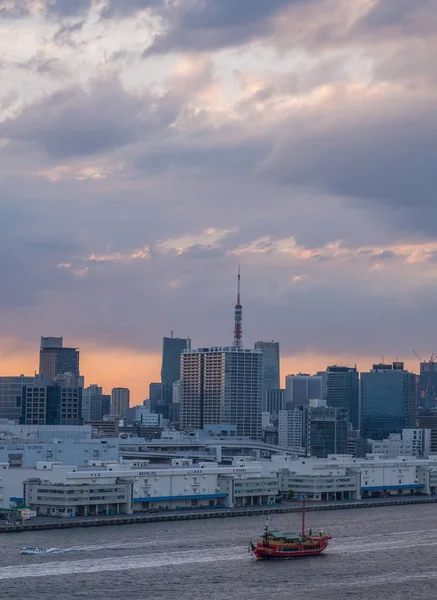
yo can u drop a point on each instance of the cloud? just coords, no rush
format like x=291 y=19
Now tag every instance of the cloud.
x=148 y=147
x=78 y=123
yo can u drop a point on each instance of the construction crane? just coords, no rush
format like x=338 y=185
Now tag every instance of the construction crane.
x=418 y=356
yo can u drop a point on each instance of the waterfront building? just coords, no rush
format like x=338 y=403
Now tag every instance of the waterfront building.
x=120 y=398
x=56 y=360
x=11 y=392
x=271 y=366
x=325 y=429
x=222 y=386
x=388 y=397
x=301 y=388
x=26 y=452
x=74 y=499
x=290 y=428
x=411 y=442
x=172 y=349
x=341 y=390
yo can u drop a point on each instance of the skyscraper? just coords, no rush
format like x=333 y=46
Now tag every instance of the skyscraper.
x=119 y=402
x=222 y=386
x=427 y=388
x=271 y=367
x=56 y=360
x=301 y=388
x=156 y=397
x=274 y=401
x=341 y=390
x=172 y=349
x=388 y=401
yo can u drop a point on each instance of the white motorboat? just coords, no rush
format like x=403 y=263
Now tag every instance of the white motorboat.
x=29 y=550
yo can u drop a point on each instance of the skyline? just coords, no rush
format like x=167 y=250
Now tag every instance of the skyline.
x=129 y=374
x=147 y=148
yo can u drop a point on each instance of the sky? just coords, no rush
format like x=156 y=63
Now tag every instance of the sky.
x=149 y=147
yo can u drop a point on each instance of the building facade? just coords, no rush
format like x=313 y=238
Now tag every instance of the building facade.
x=341 y=390
x=222 y=386
x=11 y=392
x=120 y=398
x=46 y=403
x=301 y=388
x=427 y=385
x=388 y=398
x=172 y=349
x=95 y=404
x=274 y=401
x=271 y=366
x=290 y=428
x=325 y=430
x=56 y=360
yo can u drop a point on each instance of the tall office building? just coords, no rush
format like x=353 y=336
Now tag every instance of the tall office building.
x=388 y=400
x=11 y=391
x=95 y=404
x=274 y=402
x=56 y=360
x=222 y=386
x=427 y=385
x=341 y=390
x=156 y=398
x=301 y=388
x=172 y=349
x=271 y=365
x=325 y=429
x=120 y=398
x=45 y=402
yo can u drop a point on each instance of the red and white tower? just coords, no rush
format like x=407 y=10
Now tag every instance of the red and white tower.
x=238 y=329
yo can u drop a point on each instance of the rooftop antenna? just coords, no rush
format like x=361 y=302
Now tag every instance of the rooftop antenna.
x=238 y=328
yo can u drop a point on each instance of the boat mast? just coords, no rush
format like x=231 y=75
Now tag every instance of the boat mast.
x=303 y=516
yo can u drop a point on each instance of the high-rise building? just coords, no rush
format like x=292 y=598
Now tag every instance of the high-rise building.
x=271 y=368
x=222 y=386
x=325 y=429
x=156 y=397
x=274 y=402
x=45 y=402
x=11 y=392
x=388 y=401
x=95 y=404
x=120 y=398
x=341 y=390
x=172 y=349
x=427 y=385
x=290 y=428
x=56 y=360
x=301 y=388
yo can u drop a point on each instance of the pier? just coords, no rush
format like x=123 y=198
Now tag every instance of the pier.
x=218 y=513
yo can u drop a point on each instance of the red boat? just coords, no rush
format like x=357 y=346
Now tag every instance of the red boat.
x=282 y=544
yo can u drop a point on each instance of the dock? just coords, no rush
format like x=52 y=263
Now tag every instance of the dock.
x=218 y=513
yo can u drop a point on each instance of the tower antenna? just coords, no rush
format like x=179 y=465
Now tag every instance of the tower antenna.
x=238 y=329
